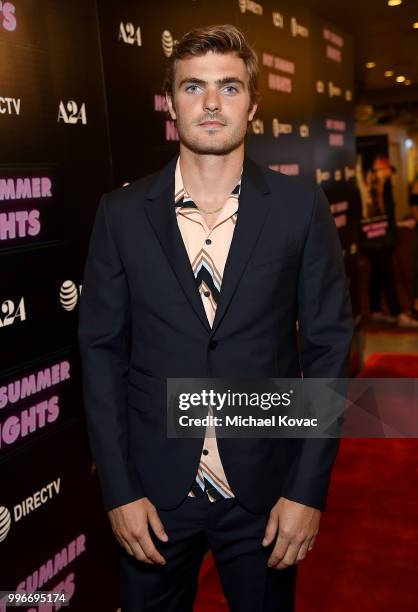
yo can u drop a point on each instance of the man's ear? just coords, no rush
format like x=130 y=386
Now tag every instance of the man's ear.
x=252 y=112
x=170 y=105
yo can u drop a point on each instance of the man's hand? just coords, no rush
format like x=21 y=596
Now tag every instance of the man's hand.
x=297 y=526
x=130 y=526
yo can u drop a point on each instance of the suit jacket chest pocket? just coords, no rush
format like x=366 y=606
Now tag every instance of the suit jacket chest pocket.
x=271 y=274
x=273 y=255
x=278 y=268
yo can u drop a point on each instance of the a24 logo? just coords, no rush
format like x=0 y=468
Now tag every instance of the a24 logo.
x=9 y=312
x=70 y=112
x=130 y=34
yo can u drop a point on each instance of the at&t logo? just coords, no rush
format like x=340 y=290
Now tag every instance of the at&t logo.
x=167 y=42
x=68 y=295
x=5 y=522
x=70 y=112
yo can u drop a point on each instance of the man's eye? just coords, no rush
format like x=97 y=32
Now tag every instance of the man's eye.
x=192 y=88
x=231 y=89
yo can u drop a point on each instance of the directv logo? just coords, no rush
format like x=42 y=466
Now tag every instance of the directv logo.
x=27 y=505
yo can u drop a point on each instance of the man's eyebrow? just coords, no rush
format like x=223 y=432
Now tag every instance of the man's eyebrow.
x=224 y=81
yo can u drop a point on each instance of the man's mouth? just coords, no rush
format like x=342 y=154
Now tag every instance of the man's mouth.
x=211 y=123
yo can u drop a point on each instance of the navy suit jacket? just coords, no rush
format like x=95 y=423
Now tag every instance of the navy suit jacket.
x=142 y=320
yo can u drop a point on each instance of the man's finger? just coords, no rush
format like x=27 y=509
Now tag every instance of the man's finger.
x=131 y=546
x=290 y=556
x=156 y=524
x=149 y=549
x=312 y=543
x=139 y=552
x=278 y=551
x=127 y=544
x=303 y=551
x=271 y=530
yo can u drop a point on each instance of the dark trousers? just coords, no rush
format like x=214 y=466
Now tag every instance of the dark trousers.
x=382 y=281
x=234 y=536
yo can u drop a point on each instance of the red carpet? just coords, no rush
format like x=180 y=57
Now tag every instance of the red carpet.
x=366 y=554
x=391 y=365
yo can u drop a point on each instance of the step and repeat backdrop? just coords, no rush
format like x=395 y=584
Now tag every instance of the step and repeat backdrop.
x=82 y=112
x=54 y=164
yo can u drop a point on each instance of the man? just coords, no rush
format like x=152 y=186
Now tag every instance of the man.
x=201 y=270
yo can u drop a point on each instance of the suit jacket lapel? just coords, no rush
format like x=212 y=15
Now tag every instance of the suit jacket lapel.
x=162 y=216
x=252 y=212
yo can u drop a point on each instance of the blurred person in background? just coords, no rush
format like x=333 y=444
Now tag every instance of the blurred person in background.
x=413 y=202
x=382 y=280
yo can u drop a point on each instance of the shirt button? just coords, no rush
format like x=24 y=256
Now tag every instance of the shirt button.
x=205 y=451
x=208 y=241
x=206 y=293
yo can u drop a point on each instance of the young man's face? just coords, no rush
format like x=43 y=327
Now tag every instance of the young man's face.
x=211 y=103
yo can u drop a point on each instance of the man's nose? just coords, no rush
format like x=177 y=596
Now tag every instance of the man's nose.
x=212 y=101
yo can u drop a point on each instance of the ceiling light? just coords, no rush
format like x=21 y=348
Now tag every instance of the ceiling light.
x=388 y=73
x=400 y=79
x=415 y=25
x=370 y=64
x=394 y=2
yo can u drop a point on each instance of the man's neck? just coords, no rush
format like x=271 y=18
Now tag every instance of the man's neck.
x=209 y=179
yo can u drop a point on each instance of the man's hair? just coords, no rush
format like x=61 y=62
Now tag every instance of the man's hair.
x=219 y=39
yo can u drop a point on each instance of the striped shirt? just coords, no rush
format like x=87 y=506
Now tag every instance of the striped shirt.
x=207 y=249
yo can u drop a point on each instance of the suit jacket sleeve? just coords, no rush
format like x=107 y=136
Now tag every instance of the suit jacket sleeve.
x=103 y=334
x=326 y=328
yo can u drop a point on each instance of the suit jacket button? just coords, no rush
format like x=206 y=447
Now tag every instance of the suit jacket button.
x=213 y=344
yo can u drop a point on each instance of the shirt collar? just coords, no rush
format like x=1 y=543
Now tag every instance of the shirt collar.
x=183 y=200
